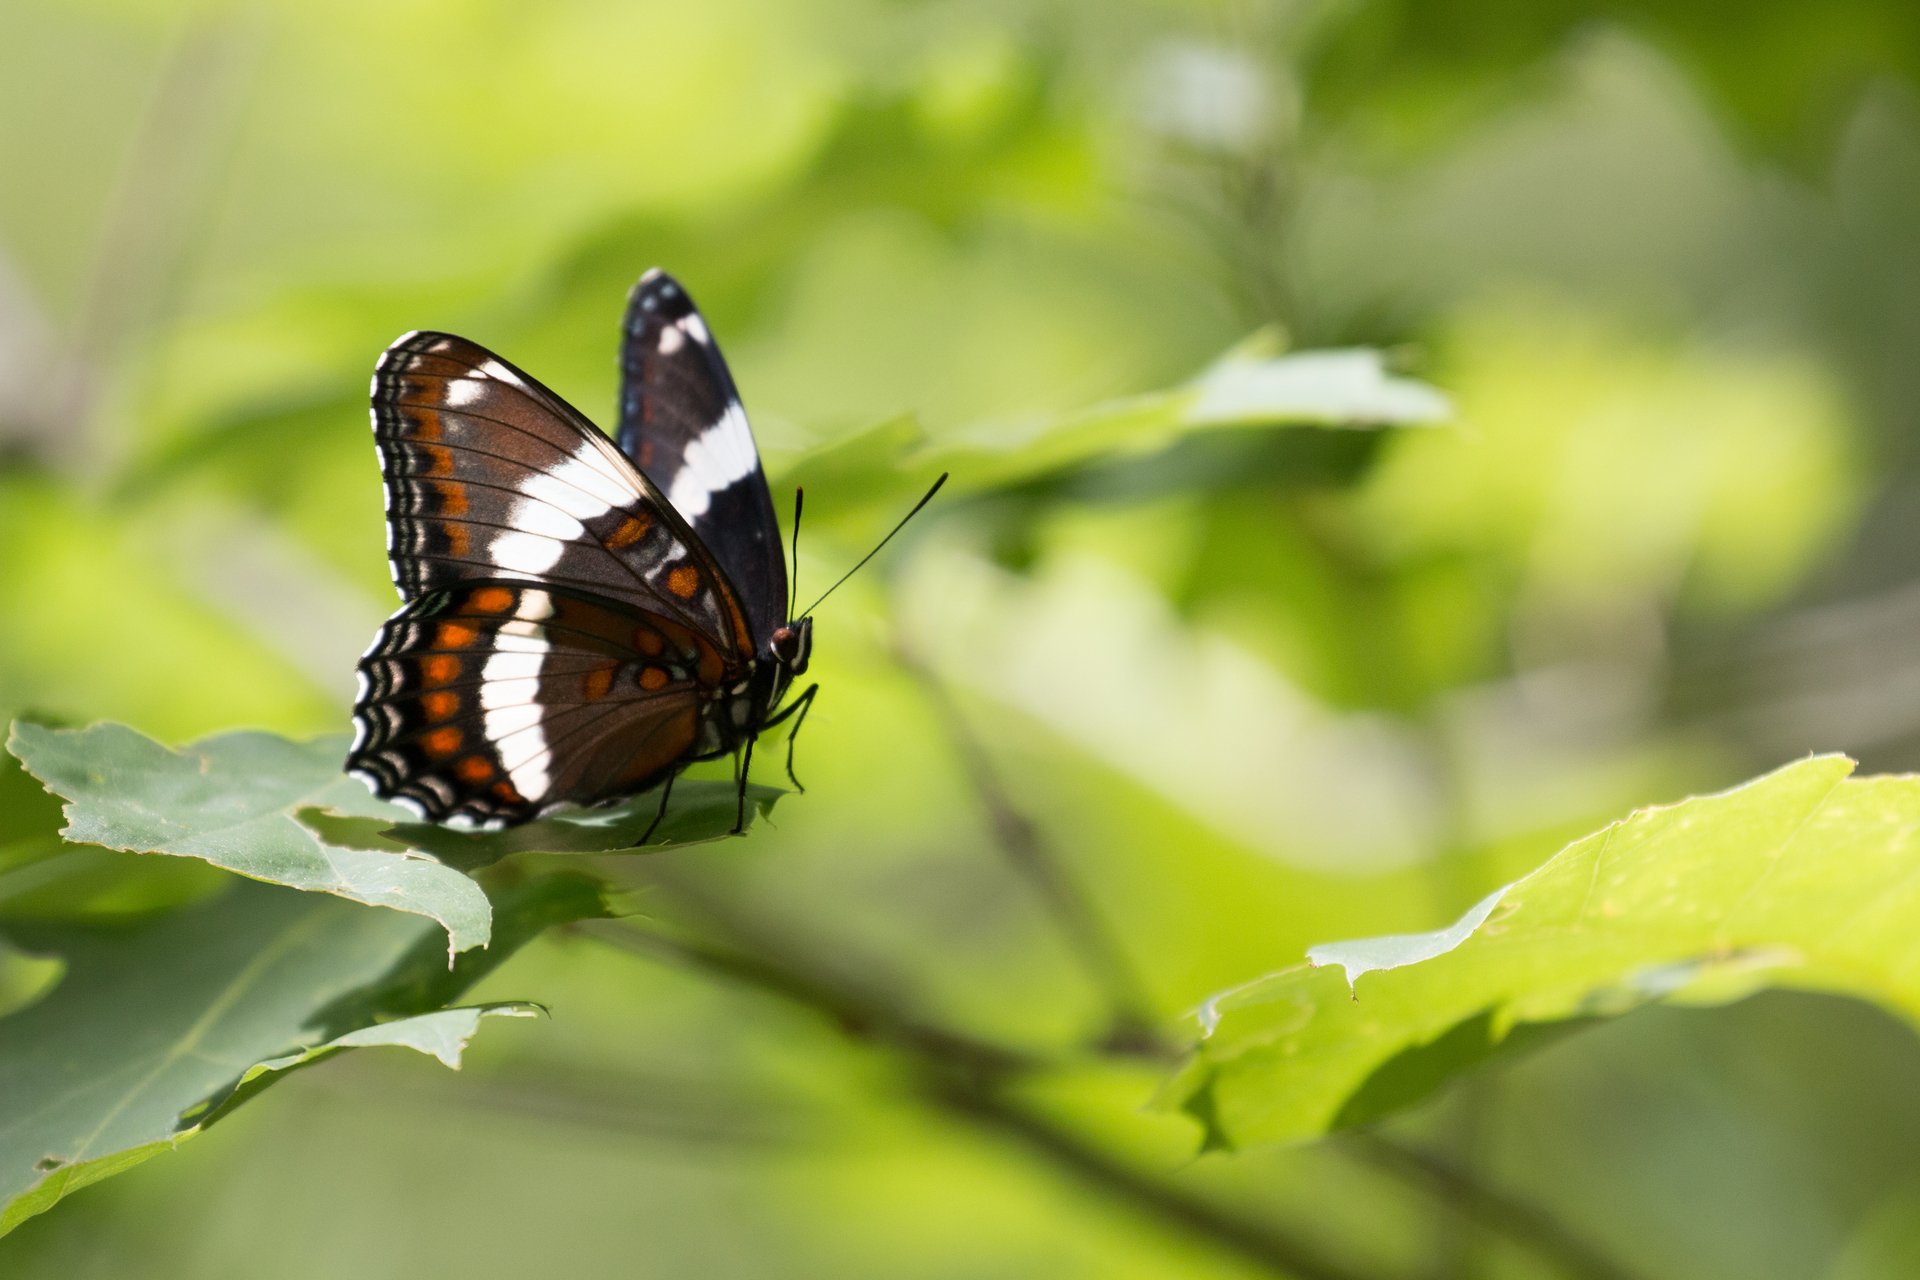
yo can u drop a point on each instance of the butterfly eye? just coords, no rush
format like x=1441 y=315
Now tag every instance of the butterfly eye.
x=791 y=646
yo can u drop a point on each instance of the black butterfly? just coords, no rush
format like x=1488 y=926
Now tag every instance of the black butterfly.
x=581 y=621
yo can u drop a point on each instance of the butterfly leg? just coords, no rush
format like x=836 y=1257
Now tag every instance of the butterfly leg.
x=740 y=815
x=800 y=705
x=666 y=789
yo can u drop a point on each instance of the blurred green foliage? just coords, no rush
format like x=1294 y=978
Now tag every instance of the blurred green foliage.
x=1256 y=689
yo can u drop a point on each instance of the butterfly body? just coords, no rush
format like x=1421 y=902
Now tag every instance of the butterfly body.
x=581 y=619
x=740 y=710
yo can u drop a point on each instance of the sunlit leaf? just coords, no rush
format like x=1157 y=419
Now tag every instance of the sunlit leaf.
x=1396 y=951
x=1804 y=878
x=1248 y=388
x=230 y=800
x=150 y=1033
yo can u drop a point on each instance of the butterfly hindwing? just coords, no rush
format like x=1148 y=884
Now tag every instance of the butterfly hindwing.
x=682 y=423
x=489 y=475
x=487 y=702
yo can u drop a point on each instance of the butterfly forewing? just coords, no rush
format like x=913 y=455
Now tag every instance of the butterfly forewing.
x=682 y=423
x=489 y=475
x=491 y=701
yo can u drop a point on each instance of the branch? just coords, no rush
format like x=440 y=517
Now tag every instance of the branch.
x=970 y=1093
x=656 y=1107
x=964 y=1077
x=855 y=1014
x=1033 y=860
x=1526 y=1224
x=1262 y=1243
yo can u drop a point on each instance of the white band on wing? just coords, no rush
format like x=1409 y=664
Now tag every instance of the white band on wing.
x=720 y=456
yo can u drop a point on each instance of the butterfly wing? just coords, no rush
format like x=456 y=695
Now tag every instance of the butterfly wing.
x=681 y=422
x=489 y=475
x=488 y=702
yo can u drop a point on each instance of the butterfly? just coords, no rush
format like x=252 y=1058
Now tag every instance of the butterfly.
x=582 y=617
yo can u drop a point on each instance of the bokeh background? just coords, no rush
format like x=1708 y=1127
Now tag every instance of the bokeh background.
x=1258 y=691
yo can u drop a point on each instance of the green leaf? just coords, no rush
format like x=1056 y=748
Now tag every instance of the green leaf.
x=153 y=1033
x=1250 y=387
x=44 y=878
x=1806 y=877
x=701 y=810
x=231 y=801
x=443 y=1035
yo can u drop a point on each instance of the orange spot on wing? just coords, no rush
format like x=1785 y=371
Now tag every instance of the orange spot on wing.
x=503 y=792
x=442 y=742
x=453 y=498
x=439 y=458
x=712 y=665
x=492 y=599
x=454 y=635
x=631 y=531
x=440 y=705
x=653 y=678
x=684 y=581
x=441 y=668
x=648 y=642
x=599 y=681
x=474 y=769
x=424 y=422
x=458 y=539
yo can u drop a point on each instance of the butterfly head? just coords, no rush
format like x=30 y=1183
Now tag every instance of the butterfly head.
x=793 y=645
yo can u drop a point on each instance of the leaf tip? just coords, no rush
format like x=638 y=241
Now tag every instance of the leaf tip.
x=1202 y=1106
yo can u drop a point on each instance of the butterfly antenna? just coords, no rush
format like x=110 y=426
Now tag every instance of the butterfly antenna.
x=883 y=542
x=793 y=591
